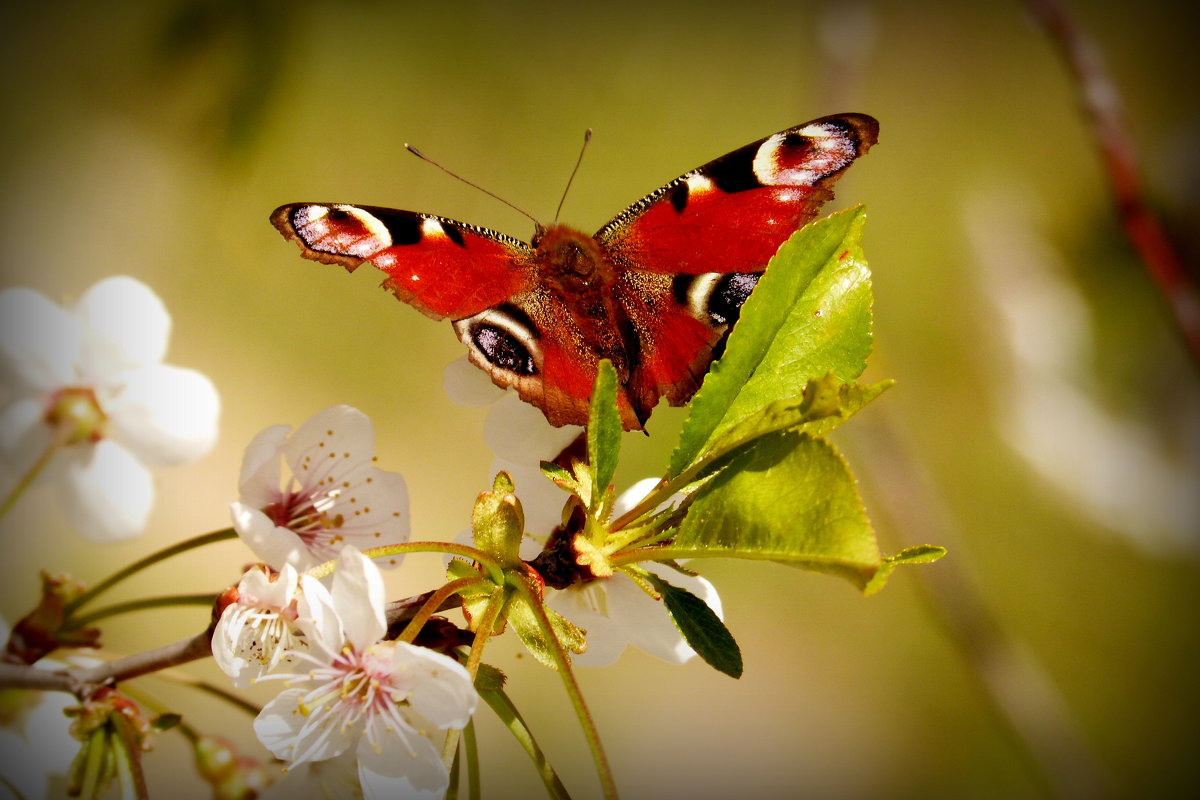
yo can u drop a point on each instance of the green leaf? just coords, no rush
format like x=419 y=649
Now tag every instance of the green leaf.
x=701 y=627
x=785 y=497
x=604 y=427
x=165 y=721
x=561 y=476
x=498 y=521
x=917 y=554
x=825 y=404
x=809 y=315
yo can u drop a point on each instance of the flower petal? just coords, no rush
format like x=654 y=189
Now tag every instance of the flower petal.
x=645 y=623
x=276 y=546
x=408 y=766
x=107 y=494
x=339 y=437
x=166 y=415
x=442 y=691
x=279 y=722
x=24 y=436
x=318 y=617
x=635 y=494
x=320 y=780
x=258 y=483
x=467 y=385
x=517 y=431
x=582 y=605
x=358 y=595
x=36 y=748
x=39 y=343
x=126 y=326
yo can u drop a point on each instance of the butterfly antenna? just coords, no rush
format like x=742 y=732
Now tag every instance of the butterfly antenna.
x=453 y=174
x=587 y=137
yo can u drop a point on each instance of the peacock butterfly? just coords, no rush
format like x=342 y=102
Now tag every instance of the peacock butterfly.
x=654 y=291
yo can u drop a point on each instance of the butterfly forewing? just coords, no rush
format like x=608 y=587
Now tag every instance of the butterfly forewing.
x=731 y=214
x=442 y=267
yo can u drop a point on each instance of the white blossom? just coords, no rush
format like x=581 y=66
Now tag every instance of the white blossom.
x=383 y=700
x=257 y=631
x=334 y=495
x=91 y=377
x=616 y=612
x=519 y=436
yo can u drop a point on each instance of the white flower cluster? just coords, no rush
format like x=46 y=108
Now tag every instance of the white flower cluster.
x=358 y=713
x=353 y=702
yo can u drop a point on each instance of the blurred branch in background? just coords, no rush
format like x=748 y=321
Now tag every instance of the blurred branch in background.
x=1101 y=102
x=231 y=51
x=1015 y=686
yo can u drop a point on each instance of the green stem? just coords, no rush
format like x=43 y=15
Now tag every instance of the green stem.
x=139 y=605
x=432 y=605
x=563 y=662
x=471 y=748
x=502 y=705
x=383 y=551
x=127 y=750
x=483 y=632
x=30 y=476
x=148 y=561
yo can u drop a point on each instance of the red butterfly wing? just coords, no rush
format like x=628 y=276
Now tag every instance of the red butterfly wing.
x=441 y=267
x=688 y=254
x=731 y=214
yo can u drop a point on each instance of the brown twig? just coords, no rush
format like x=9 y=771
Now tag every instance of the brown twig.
x=82 y=681
x=1101 y=103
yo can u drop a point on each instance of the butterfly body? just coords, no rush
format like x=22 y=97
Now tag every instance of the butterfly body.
x=654 y=291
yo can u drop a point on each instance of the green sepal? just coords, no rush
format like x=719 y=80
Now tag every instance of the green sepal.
x=785 y=497
x=476 y=596
x=498 y=521
x=490 y=679
x=526 y=625
x=917 y=554
x=809 y=315
x=701 y=627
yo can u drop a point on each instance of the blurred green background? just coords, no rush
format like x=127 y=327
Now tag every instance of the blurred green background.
x=1045 y=424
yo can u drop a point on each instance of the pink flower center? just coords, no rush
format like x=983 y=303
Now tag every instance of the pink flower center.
x=359 y=688
x=310 y=516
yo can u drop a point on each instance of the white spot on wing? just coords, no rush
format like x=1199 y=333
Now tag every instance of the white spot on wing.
x=699 y=294
x=432 y=228
x=697 y=184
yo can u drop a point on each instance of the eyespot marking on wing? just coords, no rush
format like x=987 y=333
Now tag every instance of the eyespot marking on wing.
x=504 y=338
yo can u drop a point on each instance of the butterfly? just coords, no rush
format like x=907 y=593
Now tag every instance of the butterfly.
x=655 y=290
